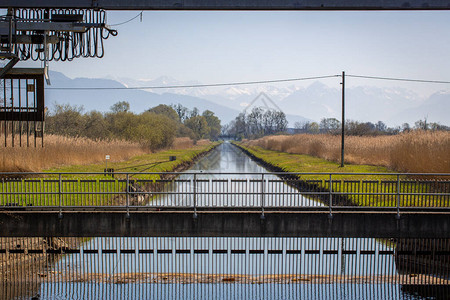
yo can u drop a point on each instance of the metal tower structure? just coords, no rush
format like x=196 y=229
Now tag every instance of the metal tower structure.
x=40 y=34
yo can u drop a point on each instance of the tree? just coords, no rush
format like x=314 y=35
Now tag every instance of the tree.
x=299 y=126
x=96 y=126
x=155 y=131
x=121 y=124
x=258 y=123
x=239 y=127
x=254 y=121
x=380 y=126
x=313 y=127
x=213 y=124
x=406 y=127
x=199 y=126
x=181 y=111
x=121 y=106
x=357 y=128
x=421 y=124
x=185 y=131
x=166 y=110
x=268 y=122
x=194 y=112
x=280 y=121
x=66 y=120
x=330 y=125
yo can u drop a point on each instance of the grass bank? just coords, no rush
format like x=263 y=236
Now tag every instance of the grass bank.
x=350 y=183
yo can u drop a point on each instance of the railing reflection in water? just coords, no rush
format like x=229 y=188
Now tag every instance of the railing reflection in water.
x=242 y=268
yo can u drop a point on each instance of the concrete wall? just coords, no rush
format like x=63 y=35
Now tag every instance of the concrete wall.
x=237 y=224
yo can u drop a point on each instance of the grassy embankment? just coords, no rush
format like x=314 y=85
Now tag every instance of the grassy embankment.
x=386 y=183
x=91 y=184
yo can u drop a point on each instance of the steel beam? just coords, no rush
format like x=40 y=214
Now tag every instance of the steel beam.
x=48 y=26
x=233 y=4
x=14 y=60
x=30 y=39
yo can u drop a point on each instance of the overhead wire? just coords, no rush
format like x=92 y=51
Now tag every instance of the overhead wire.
x=194 y=85
x=398 y=79
x=122 y=23
x=249 y=83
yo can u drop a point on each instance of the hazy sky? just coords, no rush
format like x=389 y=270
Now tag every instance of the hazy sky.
x=240 y=46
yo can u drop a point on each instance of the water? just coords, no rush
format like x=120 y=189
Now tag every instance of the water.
x=229 y=159
x=229 y=268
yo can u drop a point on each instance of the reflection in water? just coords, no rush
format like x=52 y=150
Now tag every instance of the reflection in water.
x=242 y=256
x=227 y=158
x=235 y=190
x=242 y=268
x=224 y=291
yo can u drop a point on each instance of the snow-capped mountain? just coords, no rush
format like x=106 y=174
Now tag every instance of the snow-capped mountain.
x=232 y=96
x=140 y=100
x=394 y=106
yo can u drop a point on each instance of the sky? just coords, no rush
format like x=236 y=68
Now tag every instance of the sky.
x=211 y=47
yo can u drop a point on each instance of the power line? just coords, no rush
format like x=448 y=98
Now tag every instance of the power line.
x=399 y=79
x=118 y=24
x=194 y=85
x=249 y=83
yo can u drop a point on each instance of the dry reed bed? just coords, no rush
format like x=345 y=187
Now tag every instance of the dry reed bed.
x=186 y=143
x=182 y=143
x=59 y=151
x=418 y=151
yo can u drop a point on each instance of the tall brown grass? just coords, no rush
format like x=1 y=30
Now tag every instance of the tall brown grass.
x=203 y=142
x=417 y=151
x=186 y=142
x=182 y=143
x=59 y=151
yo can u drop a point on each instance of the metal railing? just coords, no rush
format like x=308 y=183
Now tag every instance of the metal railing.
x=225 y=191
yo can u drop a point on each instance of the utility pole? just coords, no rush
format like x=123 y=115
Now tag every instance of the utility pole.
x=343 y=120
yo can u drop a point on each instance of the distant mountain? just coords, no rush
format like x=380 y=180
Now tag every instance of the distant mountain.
x=315 y=102
x=435 y=109
x=140 y=100
x=232 y=96
x=394 y=106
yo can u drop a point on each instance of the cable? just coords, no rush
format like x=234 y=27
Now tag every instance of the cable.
x=118 y=24
x=248 y=83
x=195 y=85
x=70 y=45
x=398 y=79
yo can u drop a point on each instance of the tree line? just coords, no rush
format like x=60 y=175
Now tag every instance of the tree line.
x=257 y=123
x=333 y=126
x=260 y=122
x=155 y=128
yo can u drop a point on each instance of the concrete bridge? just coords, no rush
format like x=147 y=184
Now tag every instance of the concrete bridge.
x=225 y=205
x=237 y=223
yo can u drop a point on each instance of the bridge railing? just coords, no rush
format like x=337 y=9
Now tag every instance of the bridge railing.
x=198 y=191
